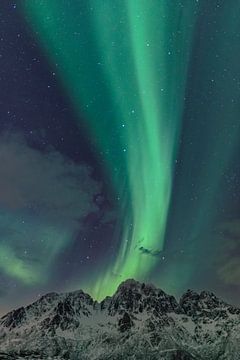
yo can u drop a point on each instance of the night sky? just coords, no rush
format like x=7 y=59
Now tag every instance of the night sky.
x=119 y=146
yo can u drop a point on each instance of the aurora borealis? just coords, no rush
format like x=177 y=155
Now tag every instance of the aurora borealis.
x=122 y=144
x=145 y=103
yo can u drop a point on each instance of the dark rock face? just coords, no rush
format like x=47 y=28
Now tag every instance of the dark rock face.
x=139 y=321
x=125 y=323
x=205 y=304
x=136 y=297
x=182 y=355
x=14 y=318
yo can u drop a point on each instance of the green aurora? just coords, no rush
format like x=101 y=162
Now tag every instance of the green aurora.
x=124 y=66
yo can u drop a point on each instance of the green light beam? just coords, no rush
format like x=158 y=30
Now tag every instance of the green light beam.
x=124 y=66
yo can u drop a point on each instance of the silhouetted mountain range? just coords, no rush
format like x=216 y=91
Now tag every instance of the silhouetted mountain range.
x=138 y=322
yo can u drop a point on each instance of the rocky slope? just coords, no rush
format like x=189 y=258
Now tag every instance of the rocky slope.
x=138 y=322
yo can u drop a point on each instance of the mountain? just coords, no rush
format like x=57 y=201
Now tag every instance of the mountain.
x=138 y=322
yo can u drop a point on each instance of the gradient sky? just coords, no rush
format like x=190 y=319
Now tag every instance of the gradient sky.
x=119 y=146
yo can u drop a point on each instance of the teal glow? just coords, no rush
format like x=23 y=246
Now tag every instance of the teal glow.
x=124 y=66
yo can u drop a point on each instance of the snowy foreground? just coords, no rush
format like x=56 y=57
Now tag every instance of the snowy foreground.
x=137 y=322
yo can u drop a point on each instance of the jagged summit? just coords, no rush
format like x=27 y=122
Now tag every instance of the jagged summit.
x=139 y=319
x=132 y=283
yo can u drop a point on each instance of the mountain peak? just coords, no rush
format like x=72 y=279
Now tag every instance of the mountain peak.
x=134 y=285
x=129 y=283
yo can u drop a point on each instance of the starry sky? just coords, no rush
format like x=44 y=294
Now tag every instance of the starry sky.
x=119 y=146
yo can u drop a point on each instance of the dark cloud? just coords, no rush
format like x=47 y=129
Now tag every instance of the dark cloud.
x=146 y=251
x=46 y=181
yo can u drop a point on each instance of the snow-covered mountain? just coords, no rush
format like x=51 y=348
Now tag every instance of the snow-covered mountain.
x=138 y=322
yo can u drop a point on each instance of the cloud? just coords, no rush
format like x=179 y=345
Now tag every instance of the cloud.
x=43 y=197
x=3 y=288
x=146 y=251
x=230 y=271
x=46 y=182
x=229 y=257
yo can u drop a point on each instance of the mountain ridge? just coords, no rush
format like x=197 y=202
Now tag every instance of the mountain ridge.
x=139 y=321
